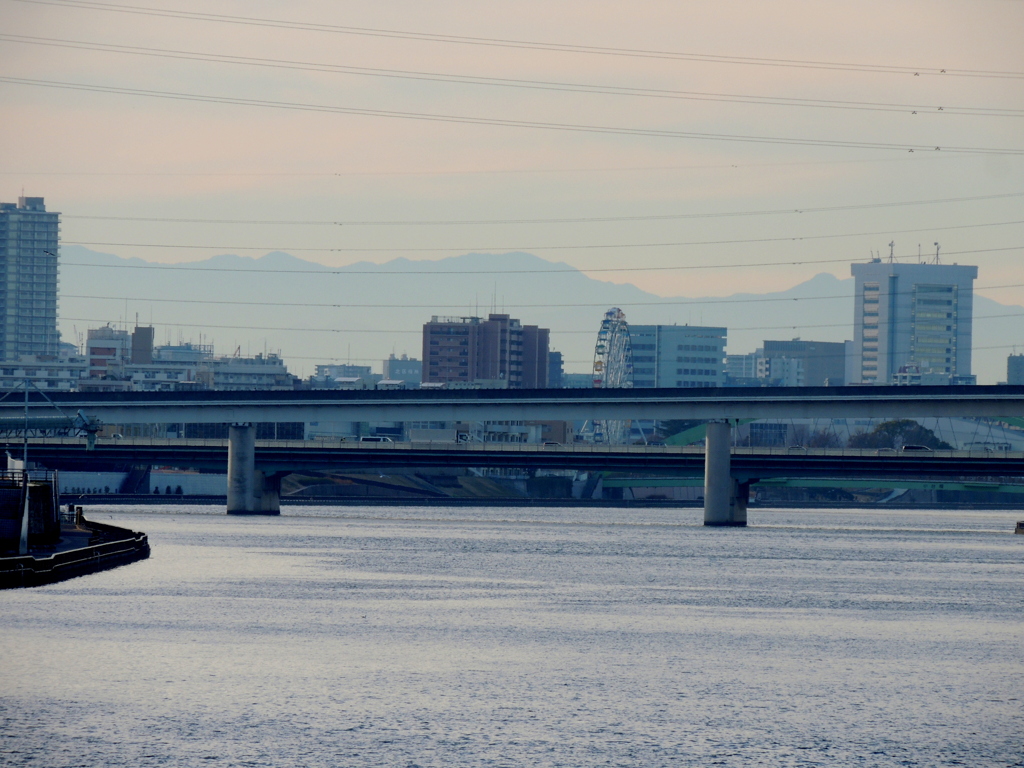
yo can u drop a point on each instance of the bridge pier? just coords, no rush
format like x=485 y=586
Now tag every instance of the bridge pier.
x=250 y=492
x=725 y=499
x=267 y=493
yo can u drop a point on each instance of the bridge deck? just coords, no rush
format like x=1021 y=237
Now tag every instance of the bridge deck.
x=323 y=455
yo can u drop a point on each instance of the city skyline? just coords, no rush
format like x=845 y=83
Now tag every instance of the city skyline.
x=351 y=314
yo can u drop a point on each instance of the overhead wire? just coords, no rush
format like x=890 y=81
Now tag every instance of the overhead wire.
x=525 y=44
x=556 y=220
x=544 y=85
x=405 y=305
x=578 y=247
x=480 y=171
x=400 y=331
x=505 y=122
x=379 y=272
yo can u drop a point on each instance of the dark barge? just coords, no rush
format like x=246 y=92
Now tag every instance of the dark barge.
x=41 y=542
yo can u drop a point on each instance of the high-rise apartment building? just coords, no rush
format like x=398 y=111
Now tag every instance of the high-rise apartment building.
x=467 y=349
x=29 y=237
x=912 y=315
x=678 y=355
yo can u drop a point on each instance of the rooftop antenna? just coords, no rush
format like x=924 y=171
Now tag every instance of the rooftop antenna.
x=918 y=253
x=937 y=254
x=892 y=251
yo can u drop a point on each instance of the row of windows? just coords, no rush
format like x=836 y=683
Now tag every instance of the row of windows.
x=35 y=372
x=695 y=372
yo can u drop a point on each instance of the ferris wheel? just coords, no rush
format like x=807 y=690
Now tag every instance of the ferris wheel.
x=613 y=368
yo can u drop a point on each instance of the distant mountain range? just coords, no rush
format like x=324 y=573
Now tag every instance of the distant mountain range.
x=312 y=313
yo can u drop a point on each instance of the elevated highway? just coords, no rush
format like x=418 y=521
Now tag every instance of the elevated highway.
x=725 y=490
x=277 y=456
x=527 y=404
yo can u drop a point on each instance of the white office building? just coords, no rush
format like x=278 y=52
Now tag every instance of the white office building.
x=43 y=372
x=678 y=355
x=912 y=316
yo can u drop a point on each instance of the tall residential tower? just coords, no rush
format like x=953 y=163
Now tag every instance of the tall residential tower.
x=911 y=316
x=28 y=278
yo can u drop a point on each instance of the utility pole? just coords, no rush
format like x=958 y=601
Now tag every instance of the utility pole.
x=23 y=543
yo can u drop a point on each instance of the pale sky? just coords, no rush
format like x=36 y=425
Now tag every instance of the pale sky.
x=112 y=154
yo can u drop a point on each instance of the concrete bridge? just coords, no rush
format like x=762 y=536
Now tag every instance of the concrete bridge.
x=725 y=490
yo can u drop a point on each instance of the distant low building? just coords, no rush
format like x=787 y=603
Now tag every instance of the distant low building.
x=744 y=367
x=44 y=372
x=105 y=348
x=245 y=373
x=577 y=381
x=912 y=375
x=1015 y=369
x=784 y=371
x=555 y=370
x=821 y=361
x=404 y=368
x=339 y=370
x=119 y=360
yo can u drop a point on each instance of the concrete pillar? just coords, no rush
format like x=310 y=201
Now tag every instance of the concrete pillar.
x=242 y=469
x=720 y=502
x=267 y=488
x=742 y=498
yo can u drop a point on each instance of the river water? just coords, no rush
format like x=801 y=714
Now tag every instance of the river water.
x=527 y=637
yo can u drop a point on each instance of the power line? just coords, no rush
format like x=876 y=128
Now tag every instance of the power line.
x=418 y=331
x=347 y=272
x=593 y=246
x=502 y=122
x=561 y=220
x=406 y=305
x=475 y=172
x=543 y=85
x=525 y=44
